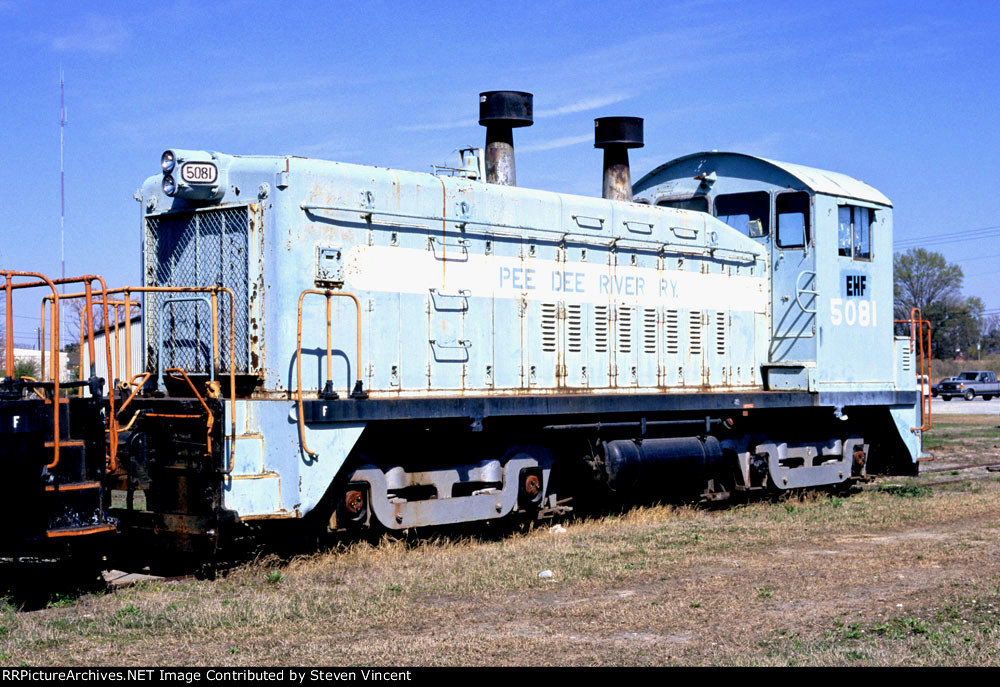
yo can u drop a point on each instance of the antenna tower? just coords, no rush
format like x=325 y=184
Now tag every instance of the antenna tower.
x=62 y=178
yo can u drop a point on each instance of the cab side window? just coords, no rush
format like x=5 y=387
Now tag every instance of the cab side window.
x=750 y=213
x=855 y=232
x=792 y=211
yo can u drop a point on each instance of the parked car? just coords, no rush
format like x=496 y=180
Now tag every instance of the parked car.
x=968 y=385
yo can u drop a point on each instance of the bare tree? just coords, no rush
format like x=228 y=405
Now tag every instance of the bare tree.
x=72 y=320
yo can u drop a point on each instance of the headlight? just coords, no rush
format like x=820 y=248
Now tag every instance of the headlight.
x=193 y=176
x=167 y=161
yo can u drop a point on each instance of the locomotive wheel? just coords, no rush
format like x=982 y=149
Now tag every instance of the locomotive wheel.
x=859 y=463
x=969 y=394
x=530 y=489
x=353 y=506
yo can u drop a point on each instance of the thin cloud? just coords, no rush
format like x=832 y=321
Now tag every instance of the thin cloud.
x=330 y=147
x=557 y=143
x=96 y=34
x=440 y=126
x=584 y=105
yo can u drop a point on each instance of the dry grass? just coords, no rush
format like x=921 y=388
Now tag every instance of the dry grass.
x=890 y=575
x=961 y=440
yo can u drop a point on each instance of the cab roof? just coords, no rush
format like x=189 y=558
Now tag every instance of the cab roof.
x=816 y=180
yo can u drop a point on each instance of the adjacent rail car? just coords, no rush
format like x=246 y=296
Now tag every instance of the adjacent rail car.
x=53 y=444
x=351 y=347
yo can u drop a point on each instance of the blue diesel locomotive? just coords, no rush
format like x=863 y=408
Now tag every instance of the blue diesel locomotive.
x=351 y=346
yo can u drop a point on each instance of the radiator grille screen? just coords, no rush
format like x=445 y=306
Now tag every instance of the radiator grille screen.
x=208 y=248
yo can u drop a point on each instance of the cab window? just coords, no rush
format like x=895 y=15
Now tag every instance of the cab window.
x=750 y=213
x=792 y=213
x=855 y=232
x=696 y=203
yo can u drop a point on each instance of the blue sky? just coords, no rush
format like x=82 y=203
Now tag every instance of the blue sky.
x=900 y=94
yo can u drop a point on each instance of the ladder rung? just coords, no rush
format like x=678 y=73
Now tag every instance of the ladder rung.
x=73 y=486
x=79 y=531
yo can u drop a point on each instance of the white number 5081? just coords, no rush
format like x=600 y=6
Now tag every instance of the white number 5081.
x=852 y=312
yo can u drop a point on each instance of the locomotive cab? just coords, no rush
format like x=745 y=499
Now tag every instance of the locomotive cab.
x=829 y=237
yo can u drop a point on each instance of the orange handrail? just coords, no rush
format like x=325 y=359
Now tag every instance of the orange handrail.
x=358 y=388
x=9 y=343
x=35 y=389
x=917 y=327
x=145 y=378
x=112 y=369
x=210 y=419
x=119 y=429
x=103 y=299
x=127 y=291
x=9 y=286
x=87 y=281
x=927 y=419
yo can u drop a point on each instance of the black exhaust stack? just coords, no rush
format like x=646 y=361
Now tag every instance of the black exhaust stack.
x=501 y=112
x=616 y=135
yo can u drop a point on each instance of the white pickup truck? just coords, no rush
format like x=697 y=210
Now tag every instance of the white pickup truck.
x=968 y=385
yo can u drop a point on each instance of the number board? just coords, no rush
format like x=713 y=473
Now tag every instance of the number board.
x=199 y=173
x=856 y=308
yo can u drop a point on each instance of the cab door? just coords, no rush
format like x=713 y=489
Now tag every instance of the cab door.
x=793 y=286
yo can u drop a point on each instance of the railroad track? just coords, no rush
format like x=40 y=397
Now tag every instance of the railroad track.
x=993 y=464
x=990 y=467
x=125 y=579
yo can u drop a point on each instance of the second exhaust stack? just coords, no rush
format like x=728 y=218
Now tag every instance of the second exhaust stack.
x=616 y=135
x=501 y=112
